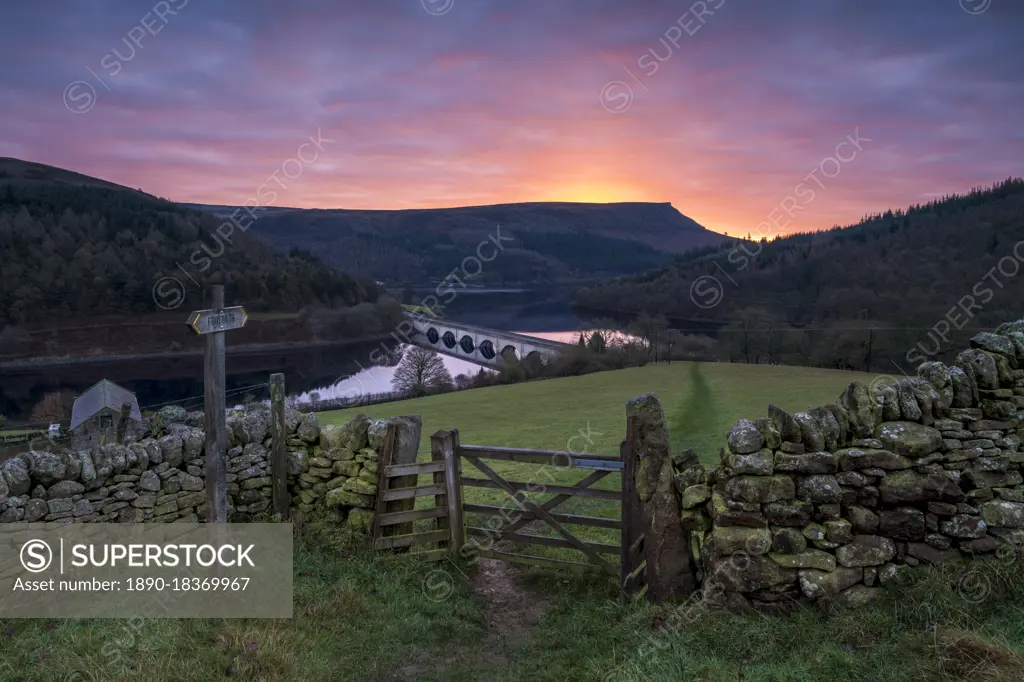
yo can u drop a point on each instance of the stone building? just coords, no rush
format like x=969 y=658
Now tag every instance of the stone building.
x=95 y=415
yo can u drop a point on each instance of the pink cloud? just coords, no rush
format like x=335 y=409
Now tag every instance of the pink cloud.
x=485 y=106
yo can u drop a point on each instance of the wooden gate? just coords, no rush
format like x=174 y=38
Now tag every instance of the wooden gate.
x=452 y=536
x=630 y=568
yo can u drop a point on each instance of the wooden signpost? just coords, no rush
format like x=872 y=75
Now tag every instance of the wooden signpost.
x=213 y=323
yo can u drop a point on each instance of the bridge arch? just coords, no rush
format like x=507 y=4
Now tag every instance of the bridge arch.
x=509 y=354
x=533 y=361
x=479 y=345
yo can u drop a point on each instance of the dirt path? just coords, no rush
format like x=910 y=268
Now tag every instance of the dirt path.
x=512 y=611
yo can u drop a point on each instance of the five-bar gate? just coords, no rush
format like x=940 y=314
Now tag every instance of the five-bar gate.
x=451 y=535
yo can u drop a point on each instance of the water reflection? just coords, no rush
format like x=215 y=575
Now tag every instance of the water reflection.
x=343 y=372
x=375 y=380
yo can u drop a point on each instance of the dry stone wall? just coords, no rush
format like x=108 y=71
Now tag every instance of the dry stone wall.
x=157 y=475
x=340 y=471
x=838 y=500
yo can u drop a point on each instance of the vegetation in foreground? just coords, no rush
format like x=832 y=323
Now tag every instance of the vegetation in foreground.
x=365 y=616
x=360 y=616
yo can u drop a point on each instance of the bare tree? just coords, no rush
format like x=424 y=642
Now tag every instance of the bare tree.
x=55 y=406
x=421 y=372
x=650 y=328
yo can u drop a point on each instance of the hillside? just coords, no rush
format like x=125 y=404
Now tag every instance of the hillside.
x=74 y=246
x=27 y=174
x=833 y=298
x=546 y=241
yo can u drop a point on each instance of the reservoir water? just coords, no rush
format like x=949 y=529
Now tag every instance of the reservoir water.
x=342 y=371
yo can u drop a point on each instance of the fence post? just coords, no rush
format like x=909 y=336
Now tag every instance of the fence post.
x=632 y=529
x=122 y=422
x=383 y=481
x=216 y=429
x=452 y=473
x=437 y=454
x=671 y=573
x=444 y=446
x=278 y=456
x=406 y=446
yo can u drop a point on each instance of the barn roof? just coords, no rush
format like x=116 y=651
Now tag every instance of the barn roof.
x=104 y=394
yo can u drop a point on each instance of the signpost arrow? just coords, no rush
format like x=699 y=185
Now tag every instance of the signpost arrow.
x=217 y=320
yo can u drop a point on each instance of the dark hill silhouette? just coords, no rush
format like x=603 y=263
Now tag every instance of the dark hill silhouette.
x=20 y=173
x=549 y=241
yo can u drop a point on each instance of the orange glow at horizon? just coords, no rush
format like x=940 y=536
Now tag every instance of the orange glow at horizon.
x=715 y=202
x=491 y=106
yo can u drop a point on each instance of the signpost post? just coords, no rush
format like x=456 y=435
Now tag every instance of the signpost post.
x=212 y=323
x=278 y=456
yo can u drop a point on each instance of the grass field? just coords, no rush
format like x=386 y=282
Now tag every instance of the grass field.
x=554 y=414
x=587 y=414
x=360 y=617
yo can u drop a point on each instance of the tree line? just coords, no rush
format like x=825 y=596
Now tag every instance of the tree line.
x=898 y=287
x=87 y=250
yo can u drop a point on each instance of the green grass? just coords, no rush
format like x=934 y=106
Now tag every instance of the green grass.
x=362 y=617
x=587 y=414
x=551 y=414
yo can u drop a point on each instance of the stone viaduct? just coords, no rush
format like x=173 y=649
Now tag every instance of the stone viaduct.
x=479 y=345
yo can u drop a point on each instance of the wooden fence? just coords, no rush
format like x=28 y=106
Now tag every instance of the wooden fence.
x=447 y=536
x=19 y=438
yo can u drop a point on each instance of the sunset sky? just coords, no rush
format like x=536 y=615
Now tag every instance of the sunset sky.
x=437 y=103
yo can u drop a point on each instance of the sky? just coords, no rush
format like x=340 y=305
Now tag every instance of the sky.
x=749 y=116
